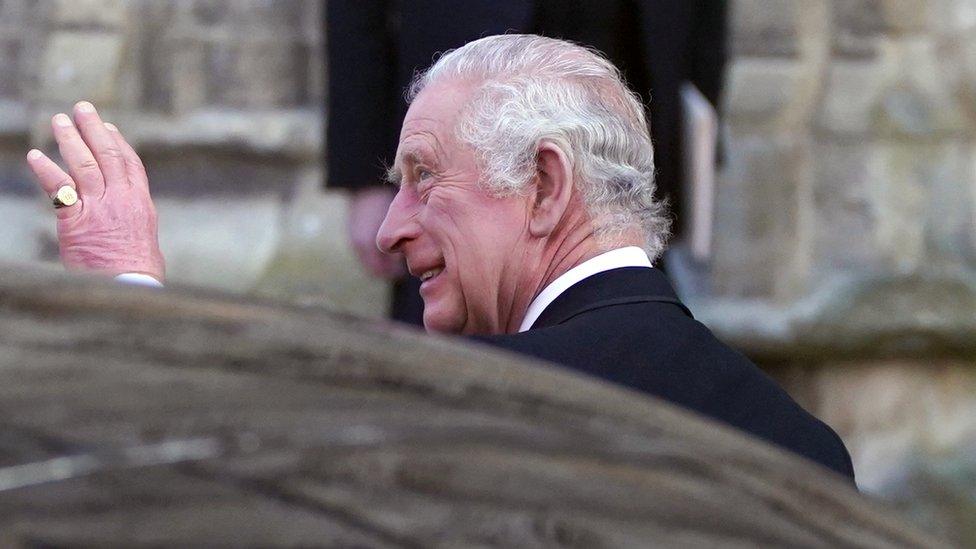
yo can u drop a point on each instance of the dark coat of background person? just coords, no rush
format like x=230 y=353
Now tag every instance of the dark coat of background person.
x=374 y=48
x=628 y=326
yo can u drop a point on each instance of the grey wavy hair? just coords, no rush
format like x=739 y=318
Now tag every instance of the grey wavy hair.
x=532 y=89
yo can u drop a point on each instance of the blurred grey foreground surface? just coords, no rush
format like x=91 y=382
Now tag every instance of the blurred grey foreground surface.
x=134 y=417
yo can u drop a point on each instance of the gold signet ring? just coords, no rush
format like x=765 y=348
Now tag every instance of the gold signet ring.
x=66 y=196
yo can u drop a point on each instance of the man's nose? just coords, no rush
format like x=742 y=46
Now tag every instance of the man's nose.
x=400 y=224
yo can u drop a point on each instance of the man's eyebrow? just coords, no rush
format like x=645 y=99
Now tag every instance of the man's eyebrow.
x=394 y=174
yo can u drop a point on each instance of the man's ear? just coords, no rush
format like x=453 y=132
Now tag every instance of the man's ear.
x=553 y=189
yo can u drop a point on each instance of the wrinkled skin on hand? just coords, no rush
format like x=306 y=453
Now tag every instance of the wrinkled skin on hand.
x=116 y=235
x=112 y=229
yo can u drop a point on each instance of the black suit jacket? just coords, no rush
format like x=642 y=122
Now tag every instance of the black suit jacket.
x=628 y=326
x=375 y=46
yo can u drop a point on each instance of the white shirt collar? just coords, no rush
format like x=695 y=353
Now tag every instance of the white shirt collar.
x=631 y=256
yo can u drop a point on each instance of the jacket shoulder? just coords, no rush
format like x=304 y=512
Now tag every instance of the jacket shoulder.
x=657 y=349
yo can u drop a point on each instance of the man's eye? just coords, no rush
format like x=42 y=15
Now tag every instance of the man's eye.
x=424 y=184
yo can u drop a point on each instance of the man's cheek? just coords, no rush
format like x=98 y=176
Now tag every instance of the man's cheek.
x=451 y=306
x=456 y=234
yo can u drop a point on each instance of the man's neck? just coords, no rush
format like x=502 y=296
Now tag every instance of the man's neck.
x=559 y=256
x=627 y=256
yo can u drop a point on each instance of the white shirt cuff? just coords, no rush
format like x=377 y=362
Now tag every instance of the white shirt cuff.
x=139 y=279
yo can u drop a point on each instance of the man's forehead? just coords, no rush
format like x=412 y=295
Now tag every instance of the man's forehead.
x=428 y=127
x=421 y=138
x=436 y=108
x=420 y=131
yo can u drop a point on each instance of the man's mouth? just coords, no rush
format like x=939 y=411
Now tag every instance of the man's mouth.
x=427 y=275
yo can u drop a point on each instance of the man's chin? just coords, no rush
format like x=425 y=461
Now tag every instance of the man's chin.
x=437 y=322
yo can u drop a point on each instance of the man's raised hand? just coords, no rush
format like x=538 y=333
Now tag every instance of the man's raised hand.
x=112 y=227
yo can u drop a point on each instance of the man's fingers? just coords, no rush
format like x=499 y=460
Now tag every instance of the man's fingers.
x=103 y=146
x=81 y=162
x=133 y=164
x=51 y=177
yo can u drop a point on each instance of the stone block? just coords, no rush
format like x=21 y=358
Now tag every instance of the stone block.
x=858 y=25
x=907 y=16
x=287 y=133
x=852 y=46
x=16 y=178
x=905 y=92
x=759 y=88
x=13 y=118
x=927 y=207
x=852 y=90
x=960 y=71
x=208 y=243
x=277 y=15
x=152 y=65
x=954 y=17
x=765 y=28
x=921 y=99
x=894 y=207
x=769 y=92
x=900 y=195
x=10 y=63
x=26 y=221
x=258 y=74
x=845 y=216
x=313 y=30
x=23 y=28
x=860 y=16
x=187 y=77
x=905 y=110
x=81 y=65
x=756 y=218
x=24 y=16
x=12 y=10
x=89 y=13
x=212 y=13
x=862 y=26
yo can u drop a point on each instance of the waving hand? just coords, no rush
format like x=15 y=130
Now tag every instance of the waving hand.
x=111 y=228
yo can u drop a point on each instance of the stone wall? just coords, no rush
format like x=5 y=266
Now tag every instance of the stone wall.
x=223 y=99
x=856 y=118
x=845 y=242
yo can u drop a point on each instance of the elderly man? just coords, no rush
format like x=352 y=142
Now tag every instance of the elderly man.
x=524 y=204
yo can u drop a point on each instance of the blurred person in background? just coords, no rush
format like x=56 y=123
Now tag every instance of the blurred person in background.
x=375 y=47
